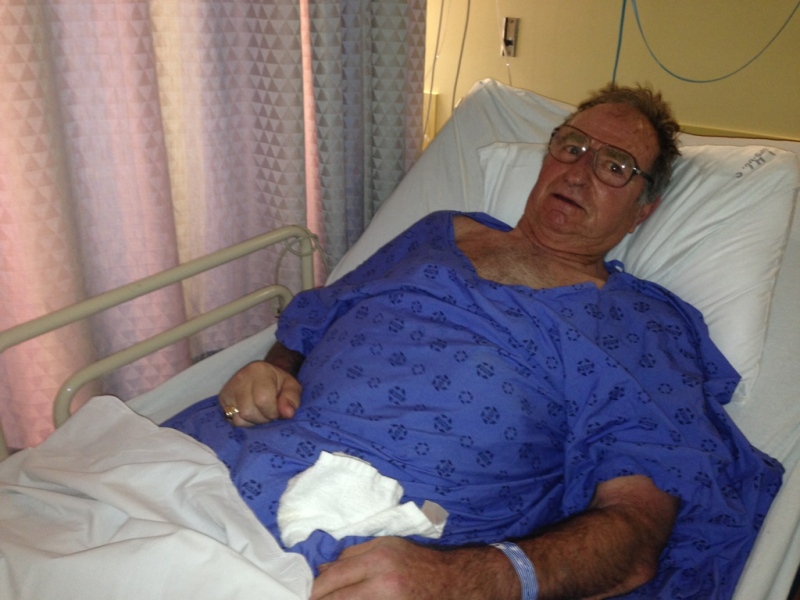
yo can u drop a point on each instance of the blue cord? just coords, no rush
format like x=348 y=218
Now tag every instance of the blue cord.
x=619 y=40
x=639 y=23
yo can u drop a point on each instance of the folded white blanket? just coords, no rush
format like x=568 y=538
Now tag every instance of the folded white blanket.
x=343 y=496
x=113 y=507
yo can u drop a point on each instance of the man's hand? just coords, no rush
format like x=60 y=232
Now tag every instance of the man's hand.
x=260 y=392
x=395 y=569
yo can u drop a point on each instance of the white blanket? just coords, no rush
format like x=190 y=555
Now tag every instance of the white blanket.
x=113 y=507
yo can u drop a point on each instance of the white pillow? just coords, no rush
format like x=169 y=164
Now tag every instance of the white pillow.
x=716 y=240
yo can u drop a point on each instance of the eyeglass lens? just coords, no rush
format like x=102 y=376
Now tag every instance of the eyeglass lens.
x=612 y=165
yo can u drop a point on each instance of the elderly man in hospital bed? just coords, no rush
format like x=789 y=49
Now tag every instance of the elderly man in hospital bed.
x=552 y=425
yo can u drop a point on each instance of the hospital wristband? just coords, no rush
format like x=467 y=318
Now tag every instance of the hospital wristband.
x=524 y=568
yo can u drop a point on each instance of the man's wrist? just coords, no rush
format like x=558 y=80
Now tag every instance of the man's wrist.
x=282 y=357
x=524 y=568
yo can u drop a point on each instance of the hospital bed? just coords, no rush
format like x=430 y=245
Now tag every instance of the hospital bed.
x=726 y=238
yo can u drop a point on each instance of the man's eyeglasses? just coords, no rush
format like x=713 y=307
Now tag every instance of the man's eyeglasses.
x=613 y=166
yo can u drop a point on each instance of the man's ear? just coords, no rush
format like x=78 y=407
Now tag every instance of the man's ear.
x=644 y=212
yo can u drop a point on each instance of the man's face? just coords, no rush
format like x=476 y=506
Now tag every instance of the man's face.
x=570 y=210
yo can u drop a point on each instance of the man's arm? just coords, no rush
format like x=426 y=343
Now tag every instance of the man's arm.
x=265 y=390
x=610 y=549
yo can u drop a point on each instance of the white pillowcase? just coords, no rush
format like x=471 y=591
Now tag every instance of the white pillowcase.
x=716 y=240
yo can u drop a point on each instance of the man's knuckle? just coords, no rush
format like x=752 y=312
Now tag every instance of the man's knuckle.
x=246 y=413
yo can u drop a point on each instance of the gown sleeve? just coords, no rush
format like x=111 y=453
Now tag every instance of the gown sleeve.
x=647 y=399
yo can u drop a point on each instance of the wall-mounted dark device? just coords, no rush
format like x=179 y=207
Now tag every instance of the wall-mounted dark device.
x=510 y=31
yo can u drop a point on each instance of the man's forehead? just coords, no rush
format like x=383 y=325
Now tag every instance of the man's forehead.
x=622 y=126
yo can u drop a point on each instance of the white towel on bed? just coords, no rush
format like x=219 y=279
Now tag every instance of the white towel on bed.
x=343 y=496
x=112 y=507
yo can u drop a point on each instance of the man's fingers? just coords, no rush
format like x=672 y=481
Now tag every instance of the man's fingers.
x=289 y=398
x=259 y=393
x=229 y=404
x=263 y=398
x=252 y=392
x=338 y=579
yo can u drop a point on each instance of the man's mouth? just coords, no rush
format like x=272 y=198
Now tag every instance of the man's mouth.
x=568 y=200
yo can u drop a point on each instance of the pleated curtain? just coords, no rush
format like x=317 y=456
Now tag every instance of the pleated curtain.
x=135 y=135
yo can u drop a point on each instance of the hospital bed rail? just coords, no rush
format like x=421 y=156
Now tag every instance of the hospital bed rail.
x=96 y=304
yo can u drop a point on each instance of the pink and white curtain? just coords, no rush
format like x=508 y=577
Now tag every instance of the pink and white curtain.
x=137 y=134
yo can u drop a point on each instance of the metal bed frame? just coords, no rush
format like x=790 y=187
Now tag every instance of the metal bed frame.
x=86 y=308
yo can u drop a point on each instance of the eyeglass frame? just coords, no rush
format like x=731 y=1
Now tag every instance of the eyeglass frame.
x=635 y=170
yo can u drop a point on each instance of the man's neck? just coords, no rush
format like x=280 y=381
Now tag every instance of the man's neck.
x=512 y=258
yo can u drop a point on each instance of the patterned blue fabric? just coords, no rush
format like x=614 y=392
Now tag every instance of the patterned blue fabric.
x=508 y=405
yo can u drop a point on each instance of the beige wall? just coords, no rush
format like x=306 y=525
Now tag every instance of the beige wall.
x=567 y=48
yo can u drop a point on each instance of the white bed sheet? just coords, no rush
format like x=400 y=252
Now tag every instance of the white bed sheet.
x=112 y=507
x=771 y=421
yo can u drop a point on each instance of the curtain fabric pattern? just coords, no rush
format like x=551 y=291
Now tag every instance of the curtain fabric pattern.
x=368 y=68
x=137 y=134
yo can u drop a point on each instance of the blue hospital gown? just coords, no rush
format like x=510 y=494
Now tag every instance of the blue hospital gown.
x=508 y=405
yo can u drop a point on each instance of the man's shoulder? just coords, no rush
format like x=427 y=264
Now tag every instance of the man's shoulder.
x=649 y=292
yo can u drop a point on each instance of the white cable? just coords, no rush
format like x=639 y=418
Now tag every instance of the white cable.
x=461 y=53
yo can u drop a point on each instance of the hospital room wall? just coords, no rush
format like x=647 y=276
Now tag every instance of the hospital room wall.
x=568 y=48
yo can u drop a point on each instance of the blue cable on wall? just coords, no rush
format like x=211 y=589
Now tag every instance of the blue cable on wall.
x=619 y=40
x=676 y=75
